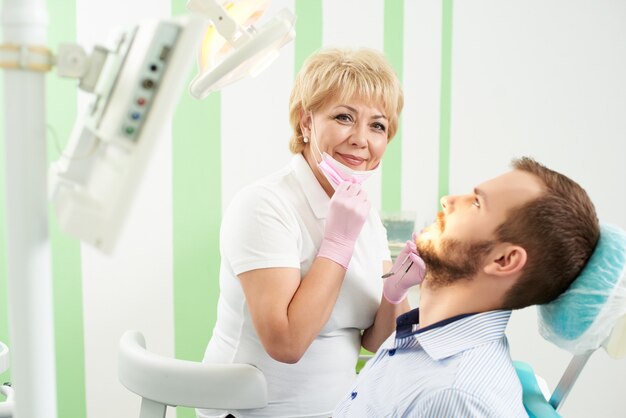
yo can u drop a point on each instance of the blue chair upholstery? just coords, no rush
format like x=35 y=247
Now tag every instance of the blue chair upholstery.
x=535 y=403
x=584 y=318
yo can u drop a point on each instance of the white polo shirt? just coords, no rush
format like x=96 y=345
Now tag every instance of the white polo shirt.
x=279 y=222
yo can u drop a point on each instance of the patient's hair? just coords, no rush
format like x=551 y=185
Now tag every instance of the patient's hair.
x=344 y=74
x=559 y=231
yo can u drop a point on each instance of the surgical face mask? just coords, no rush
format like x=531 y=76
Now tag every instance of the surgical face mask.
x=335 y=171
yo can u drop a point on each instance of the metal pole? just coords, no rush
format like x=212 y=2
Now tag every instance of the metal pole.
x=31 y=330
x=576 y=365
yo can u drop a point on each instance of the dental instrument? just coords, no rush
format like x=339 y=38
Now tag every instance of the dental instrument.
x=404 y=274
x=391 y=272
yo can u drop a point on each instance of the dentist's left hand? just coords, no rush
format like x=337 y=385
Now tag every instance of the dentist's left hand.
x=408 y=270
x=347 y=213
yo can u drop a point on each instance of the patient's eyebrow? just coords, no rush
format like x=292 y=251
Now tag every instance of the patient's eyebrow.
x=480 y=193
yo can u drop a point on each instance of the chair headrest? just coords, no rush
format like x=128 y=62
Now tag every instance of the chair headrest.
x=583 y=316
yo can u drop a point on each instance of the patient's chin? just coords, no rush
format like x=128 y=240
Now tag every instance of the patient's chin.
x=454 y=261
x=427 y=235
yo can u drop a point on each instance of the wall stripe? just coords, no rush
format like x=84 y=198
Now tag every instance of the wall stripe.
x=445 y=101
x=420 y=129
x=65 y=251
x=393 y=49
x=4 y=291
x=196 y=200
x=308 y=30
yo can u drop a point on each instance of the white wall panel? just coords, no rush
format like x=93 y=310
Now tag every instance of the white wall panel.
x=255 y=119
x=545 y=79
x=356 y=24
x=133 y=288
x=420 y=122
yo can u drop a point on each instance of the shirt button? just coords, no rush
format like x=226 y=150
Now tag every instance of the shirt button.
x=353 y=395
x=392 y=351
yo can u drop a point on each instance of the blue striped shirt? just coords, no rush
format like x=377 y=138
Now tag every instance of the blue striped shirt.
x=459 y=367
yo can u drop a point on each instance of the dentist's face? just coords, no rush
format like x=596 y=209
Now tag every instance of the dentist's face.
x=354 y=133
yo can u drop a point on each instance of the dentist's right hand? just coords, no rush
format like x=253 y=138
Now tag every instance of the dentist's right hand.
x=347 y=213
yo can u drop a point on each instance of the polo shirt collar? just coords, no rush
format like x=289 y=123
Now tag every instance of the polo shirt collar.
x=312 y=189
x=452 y=336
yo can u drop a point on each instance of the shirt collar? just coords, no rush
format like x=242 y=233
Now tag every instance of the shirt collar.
x=311 y=187
x=454 y=335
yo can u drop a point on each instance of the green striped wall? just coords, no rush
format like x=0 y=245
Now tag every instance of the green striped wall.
x=393 y=45
x=445 y=98
x=65 y=251
x=308 y=30
x=196 y=211
x=4 y=306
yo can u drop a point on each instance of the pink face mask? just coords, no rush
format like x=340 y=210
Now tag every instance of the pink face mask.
x=335 y=171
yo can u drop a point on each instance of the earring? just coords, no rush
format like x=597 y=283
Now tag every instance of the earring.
x=305 y=139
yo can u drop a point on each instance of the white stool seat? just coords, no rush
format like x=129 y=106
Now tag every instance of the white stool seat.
x=163 y=381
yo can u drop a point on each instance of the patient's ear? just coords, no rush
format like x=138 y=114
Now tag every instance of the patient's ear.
x=506 y=259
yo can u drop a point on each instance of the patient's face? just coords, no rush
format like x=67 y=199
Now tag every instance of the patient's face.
x=465 y=228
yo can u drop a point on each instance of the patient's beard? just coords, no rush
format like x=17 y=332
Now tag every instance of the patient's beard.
x=454 y=261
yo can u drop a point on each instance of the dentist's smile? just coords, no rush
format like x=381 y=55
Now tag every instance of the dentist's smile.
x=351 y=160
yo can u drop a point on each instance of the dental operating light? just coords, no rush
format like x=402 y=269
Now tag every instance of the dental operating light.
x=136 y=82
x=240 y=50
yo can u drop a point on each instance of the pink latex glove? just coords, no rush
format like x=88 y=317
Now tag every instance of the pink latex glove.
x=348 y=210
x=408 y=271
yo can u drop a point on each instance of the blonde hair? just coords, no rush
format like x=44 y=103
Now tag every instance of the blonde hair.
x=344 y=74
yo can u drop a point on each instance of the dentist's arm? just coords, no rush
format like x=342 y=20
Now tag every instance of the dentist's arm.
x=385 y=321
x=289 y=311
x=408 y=271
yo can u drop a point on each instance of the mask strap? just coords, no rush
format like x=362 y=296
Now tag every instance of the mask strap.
x=314 y=138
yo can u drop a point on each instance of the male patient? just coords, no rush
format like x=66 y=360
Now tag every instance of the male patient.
x=516 y=240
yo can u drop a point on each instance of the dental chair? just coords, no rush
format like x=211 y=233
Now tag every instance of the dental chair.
x=6 y=407
x=163 y=381
x=591 y=314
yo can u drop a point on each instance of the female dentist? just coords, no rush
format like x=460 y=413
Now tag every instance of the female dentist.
x=302 y=251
